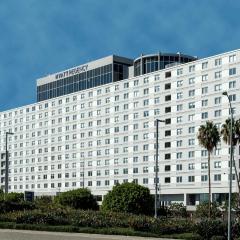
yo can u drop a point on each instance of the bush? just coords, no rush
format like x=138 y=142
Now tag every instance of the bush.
x=14 y=197
x=218 y=238
x=209 y=228
x=202 y=211
x=78 y=199
x=177 y=210
x=128 y=198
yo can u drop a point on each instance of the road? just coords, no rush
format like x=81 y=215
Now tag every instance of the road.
x=6 y=234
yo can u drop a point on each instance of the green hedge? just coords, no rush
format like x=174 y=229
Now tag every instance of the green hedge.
x=97 y=219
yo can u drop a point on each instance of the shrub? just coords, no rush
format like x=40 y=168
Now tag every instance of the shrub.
x=79 y=199
x=170 y=226
x=128 y=198
x=141 y=223
x=177 y=210
x=14 y=197
x=202 y=211
x=218 y=238
x=99 y=219
x=209 y=228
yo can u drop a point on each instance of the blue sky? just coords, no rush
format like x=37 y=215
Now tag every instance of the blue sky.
x=42 y=37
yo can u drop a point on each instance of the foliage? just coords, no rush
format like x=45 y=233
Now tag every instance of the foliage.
x=14 y=202
x=79 y=199
x=208 y=136
x=99 y=219
x=177 y=210
x=208 y=228
x=44 y=203
x=14 y=197
x=226 y=129
x=128 y=198
x=218 y=238
x=202 y=210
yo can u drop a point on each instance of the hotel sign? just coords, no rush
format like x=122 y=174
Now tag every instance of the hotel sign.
x=71 y=72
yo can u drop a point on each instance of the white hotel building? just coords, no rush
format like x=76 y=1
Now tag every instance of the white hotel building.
x=93 y=126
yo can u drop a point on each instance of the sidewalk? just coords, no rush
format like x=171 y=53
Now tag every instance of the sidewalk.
x=9 y=234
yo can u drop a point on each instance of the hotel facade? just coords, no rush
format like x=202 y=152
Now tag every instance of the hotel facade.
x=94 y=126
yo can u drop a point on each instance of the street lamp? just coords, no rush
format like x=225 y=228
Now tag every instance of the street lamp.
x=231 y=163
x=7 y=163
x=156 y=167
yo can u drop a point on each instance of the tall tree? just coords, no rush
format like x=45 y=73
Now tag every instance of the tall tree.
x=226 y=132
x=209 y=137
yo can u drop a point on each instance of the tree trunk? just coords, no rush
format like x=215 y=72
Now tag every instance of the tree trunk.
x=209 y=187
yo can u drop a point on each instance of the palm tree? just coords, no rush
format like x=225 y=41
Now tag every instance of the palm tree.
x=225 y=132
x=209 y=137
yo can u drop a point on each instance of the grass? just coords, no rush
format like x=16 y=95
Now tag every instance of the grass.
x=106 y=231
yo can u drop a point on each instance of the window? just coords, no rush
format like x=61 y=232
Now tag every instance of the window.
x=217 y=177
x=204 y=178
x=179 y=155
x=191 y=141
x=179 y=71
x=167 y=86
x=204 y=115
x=217 y=113
x=191 y=93
x=191 y=117
x=191 y=154
x=204 y=165
x=167 y=168
x=191 y=130
x=217 y=87
x=232 y=58
x=191 y=166
x=179 y=83
x=179 y=179
x=179 y=107
x=204 y=77
x=167 y=98
x=191 y=80
x=179 y=131
x=232 y=97
x=167 y=109
x=232 y=84
x=217 y=100
x=218 y=61
x=204 y=153
x=156 y=77
x=179 y=143
x=232 y=71
x=204 y=65
x=167 y=179
x=191 y=105
x=167 y=74
x=167 y=156
x=218 y=75
x=204 y=102
x=136 y=82
x=191 y=178
x=217 y=164
x=179 y=95
x=179 y=167
x=179 y=119
x=204 y=90
x=192 y=68
x=156 y=88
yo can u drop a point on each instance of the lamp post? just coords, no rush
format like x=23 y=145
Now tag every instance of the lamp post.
x=231 y=163
x=7 y=163
x=156 y=167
